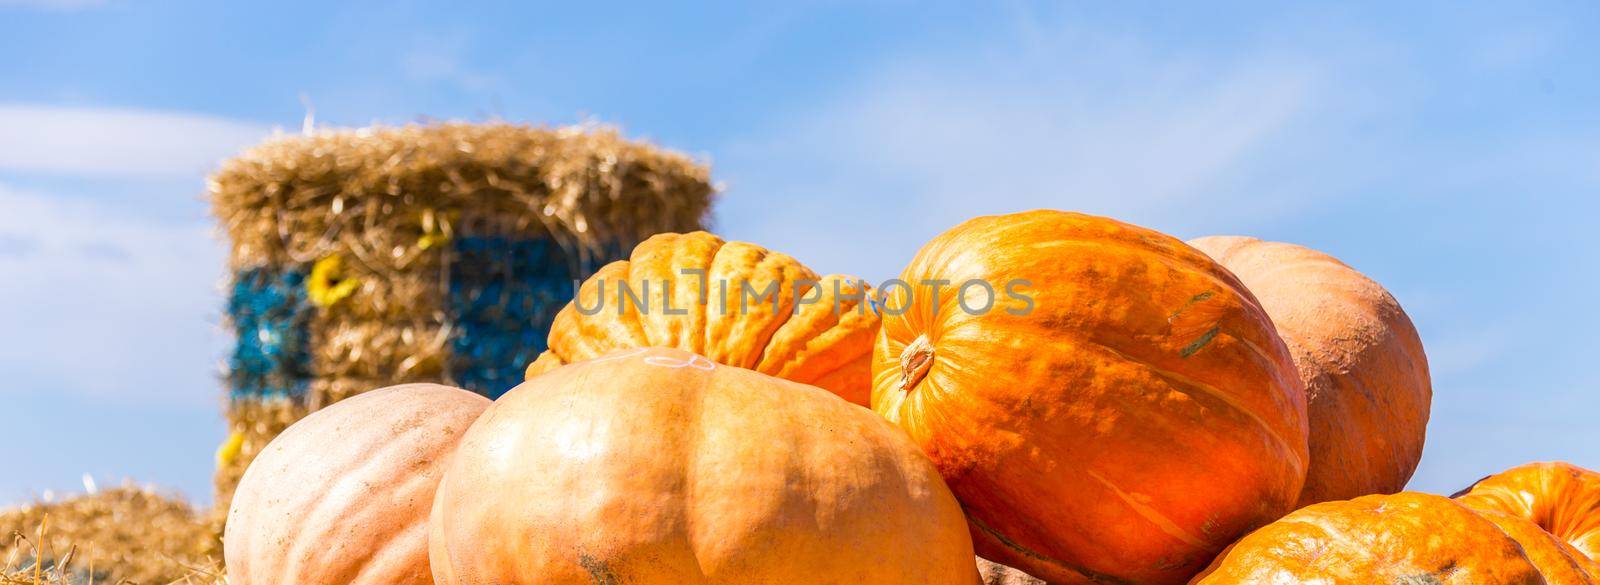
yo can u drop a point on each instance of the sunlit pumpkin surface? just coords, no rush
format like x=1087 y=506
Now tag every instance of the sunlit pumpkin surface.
x=696 y=288
x=1559 y=562
x=658 y=466
x=343 y=495
x=1137 y=420
x=1402 y=539
x=1368 y=393
x=1562 y=498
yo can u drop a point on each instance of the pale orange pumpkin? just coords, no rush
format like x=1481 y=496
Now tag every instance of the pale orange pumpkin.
x=1561 y=498
x=1124 y=417
x=698 y=293
x=1405 y=538
x=343 y=495
x=659 y=466
x=1368 y=393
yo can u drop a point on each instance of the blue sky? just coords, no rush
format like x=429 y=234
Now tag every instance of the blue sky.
x=1450 y=150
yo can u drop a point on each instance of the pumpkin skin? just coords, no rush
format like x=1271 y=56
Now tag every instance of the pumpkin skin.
x=343 y=495
x=1403 y=538
x=1142 y=416
x=1561 y=498
x=826 y=341
x=1557 y=561
x=658 y=466
x=1368 y=392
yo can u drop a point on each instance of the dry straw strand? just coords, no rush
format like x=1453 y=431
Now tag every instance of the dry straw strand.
x=126 y=534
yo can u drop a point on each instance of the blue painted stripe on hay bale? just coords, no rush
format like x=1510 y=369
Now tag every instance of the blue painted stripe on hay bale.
x=268 y=310
x=503 y=295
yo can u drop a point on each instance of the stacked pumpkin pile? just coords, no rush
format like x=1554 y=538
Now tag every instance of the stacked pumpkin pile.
x=1107 y=404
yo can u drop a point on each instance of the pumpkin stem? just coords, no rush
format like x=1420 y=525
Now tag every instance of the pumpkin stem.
x=915 y=362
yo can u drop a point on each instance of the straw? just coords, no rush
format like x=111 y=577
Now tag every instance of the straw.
x=126 y=534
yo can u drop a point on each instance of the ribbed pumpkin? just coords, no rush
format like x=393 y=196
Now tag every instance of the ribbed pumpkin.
x=1123 y=417
x=1561 y=498
x=1406 y=538
x=659 y=466
x=343 y=495
x=707 y=296
x=1367 y=387
x=1556 y=560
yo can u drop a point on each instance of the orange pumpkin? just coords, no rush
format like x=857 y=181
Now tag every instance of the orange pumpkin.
x=1123 y=416
x=736 y=303
x=1401 y=538
x=1366 y=376
x=1561 y=498
x=1556 y=560
x=659 y=466
x=343 y=495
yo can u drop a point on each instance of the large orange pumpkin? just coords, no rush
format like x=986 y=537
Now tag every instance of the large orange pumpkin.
x=700 y=294
x=1405 y=538
x=1367 y=387
x=1561 y=498
x=343 y=495
x=659 y=466
x=1557 y=561
x=1123 y=416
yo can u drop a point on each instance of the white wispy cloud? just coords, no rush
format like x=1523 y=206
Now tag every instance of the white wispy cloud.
x=97 y=303
x=1519 y=44
x=1454 y=354
x=1116 y=149
x=443 y=59
x=118 y=141
x=1066 y=120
